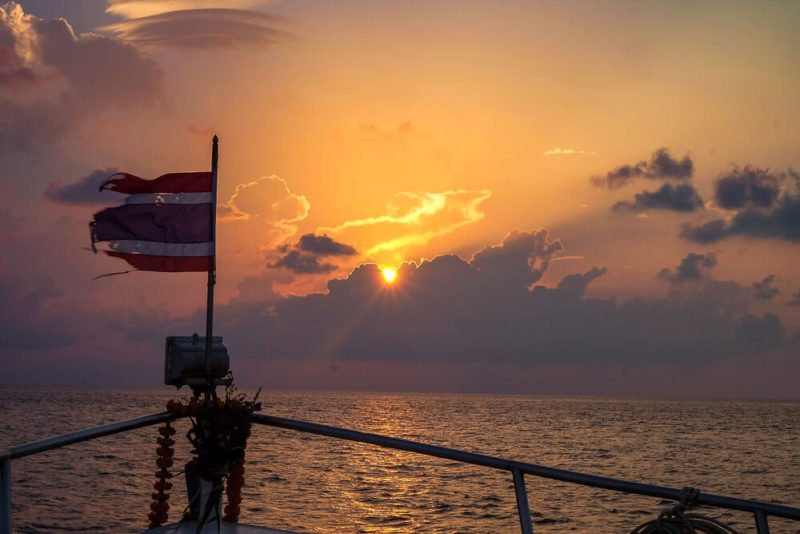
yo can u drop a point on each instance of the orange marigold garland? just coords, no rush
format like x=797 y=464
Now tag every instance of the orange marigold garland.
x=159 y=508
x=233 y=491
x=218 y=436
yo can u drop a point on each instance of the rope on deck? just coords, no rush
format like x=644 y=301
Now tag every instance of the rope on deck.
x=677 y=521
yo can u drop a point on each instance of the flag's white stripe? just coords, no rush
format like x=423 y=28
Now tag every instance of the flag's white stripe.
x=169 y=198
x=155 y=248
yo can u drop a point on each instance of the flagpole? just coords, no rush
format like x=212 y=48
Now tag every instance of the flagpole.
x=212 y=268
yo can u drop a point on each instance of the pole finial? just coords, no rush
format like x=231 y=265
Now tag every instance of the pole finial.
x=215 y=139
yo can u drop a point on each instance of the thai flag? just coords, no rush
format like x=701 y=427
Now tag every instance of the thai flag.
x=165 y=224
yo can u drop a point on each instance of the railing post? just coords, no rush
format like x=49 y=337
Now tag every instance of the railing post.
x=5 y=495
x=762 y=527
x=522 y=502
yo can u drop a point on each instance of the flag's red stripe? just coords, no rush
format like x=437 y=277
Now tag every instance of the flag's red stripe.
x=175 y=182
x=165 y=264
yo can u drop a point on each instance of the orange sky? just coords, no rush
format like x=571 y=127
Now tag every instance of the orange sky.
x=410 y=130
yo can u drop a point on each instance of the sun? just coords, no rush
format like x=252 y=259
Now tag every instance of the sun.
x=389 y=274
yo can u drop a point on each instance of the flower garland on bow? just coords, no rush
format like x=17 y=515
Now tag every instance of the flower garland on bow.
x=159 y=508
x=220 y=428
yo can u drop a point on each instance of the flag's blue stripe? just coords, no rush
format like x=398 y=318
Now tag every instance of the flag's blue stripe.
x=166 y=223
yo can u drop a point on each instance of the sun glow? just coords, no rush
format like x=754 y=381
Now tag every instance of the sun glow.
x=389 y=274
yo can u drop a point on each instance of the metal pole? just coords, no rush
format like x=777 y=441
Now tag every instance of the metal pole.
x=762 y=527
x=522 y=502
x=5 y=496
x=212 y=268
x=574 y=477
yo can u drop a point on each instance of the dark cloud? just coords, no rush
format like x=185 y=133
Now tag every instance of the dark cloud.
x=795 y=300
x=681 y=197
x=576 y=284
x=56 y=81
x=84 y=190
x=323 y=245
x=450 y=310
x=300 y=263
x=764 y=289
x=708 y=232
x=765 y=205
x=749 y=187
x=693 y=267
x=204 y=28
x=761 y=333
x=307 y=255
x=661 y=165
x=520 y=260
x=780 y=222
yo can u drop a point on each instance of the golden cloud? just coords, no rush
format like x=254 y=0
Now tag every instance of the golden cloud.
x=416 y=218
x=269 y=202
x=558 y=151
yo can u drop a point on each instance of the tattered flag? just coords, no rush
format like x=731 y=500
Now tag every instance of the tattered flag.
x=164 y=225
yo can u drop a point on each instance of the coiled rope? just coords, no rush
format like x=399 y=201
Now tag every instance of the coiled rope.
x=677 y=521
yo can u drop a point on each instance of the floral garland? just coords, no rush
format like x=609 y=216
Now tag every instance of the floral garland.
x=220 y=428
x=159 y=508
x=233 y=492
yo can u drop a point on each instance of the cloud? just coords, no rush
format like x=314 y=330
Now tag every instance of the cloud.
x=322 y=245
x=484 y=311
x=300 y=263
x=761 y=333
x=680 y=197
x=763 y=205
x=203 y=29
x=520 y=260
x=693 y=267
x=54 y=81
x=142 y=8
x=780 y=222
x=84 y=190
x=558 y=151
x=416 y=218
x=307 y=255
x=749 y=187
x=795 y=300
x=764 y=289
x=576 y=284
x=266 y=197
x=660 y=166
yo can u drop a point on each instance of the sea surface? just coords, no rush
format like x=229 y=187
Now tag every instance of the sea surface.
x=310 y=483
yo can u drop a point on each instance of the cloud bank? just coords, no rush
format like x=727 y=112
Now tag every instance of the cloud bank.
x=489 y=310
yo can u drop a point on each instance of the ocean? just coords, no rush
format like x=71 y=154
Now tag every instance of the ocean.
x=316 y=484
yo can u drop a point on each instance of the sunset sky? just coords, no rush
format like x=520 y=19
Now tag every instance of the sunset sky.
x=576 y=197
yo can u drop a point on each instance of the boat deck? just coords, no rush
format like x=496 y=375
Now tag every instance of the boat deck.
x=190 y=527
